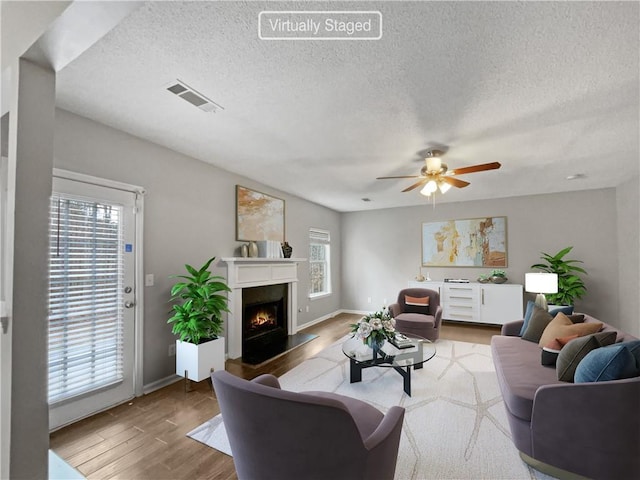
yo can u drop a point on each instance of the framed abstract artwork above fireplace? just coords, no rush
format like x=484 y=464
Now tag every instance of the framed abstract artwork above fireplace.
x=258 y=216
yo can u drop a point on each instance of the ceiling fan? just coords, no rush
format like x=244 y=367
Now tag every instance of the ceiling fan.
x=436 y=175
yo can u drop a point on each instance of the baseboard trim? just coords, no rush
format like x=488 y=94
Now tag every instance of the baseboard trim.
x=318 y=320
x=158 y=384
x=328 y=316
x=356 y=312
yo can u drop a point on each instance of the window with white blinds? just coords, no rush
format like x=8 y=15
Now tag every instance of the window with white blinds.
x=319 y=264
x=86 y=277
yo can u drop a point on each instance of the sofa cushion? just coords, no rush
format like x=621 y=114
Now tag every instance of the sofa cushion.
x=566 y=309
x=519 y=373
x=558 y=343
x=527 y=316
x=571 y=355
x=416 y=304
x=576 y=318
x=539 y=320
x=562 y=326
x=613 y=362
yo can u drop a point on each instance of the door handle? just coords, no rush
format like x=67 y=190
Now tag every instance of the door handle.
x=129 y=304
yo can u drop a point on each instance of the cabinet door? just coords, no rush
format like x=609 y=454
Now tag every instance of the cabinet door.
x=500 y=304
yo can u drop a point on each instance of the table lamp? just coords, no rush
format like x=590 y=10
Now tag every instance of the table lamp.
x=541 y=283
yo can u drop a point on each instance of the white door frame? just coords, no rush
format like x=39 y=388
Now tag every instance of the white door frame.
x=139 y=263
x=6 y=277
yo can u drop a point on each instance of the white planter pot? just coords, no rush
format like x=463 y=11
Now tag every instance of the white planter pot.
x=198 y=360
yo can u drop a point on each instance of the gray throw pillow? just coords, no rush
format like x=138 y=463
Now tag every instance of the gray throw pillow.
x=539 y=320
x=574 y=351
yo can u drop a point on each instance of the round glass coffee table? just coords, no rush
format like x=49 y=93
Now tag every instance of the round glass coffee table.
x=400 y=359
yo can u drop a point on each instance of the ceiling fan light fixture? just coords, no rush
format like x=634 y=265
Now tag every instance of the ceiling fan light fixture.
x=443 y=186
x=430 y=187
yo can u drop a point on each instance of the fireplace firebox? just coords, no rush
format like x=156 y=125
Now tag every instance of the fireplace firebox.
x=264 y=322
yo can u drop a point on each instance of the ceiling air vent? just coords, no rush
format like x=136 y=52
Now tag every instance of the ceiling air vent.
x=192 y=96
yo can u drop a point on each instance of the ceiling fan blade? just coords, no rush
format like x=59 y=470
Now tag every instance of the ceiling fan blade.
x=475 y=168
x=419 y=183
x=401 y=176
x=456 y=182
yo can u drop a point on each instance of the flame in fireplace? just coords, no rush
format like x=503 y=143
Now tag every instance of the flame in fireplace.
x=262 y=317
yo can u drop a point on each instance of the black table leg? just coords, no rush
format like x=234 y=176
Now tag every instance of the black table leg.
x=406 y=375
x=355 y=371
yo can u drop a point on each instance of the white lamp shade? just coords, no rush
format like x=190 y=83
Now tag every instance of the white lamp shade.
x=541 y=282
x=429 y=188
x=434 y=164
x=444 y=187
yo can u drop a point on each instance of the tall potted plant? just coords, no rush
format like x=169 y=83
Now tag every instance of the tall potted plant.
x=197 y=320
x=570 y=285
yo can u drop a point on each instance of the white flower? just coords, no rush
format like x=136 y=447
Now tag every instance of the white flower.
x=389 y=325
x=364 y=330
x=376 y=324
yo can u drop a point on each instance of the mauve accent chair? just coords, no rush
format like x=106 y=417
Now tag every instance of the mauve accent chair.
x=412 y=323
x=278 y=434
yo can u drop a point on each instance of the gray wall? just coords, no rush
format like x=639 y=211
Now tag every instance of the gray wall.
x=30 y=160
x=628 y=206
x=382 y=249
x=374 y=253
x=189 y=217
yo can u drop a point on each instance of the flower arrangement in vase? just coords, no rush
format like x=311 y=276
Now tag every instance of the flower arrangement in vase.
x=375 y=328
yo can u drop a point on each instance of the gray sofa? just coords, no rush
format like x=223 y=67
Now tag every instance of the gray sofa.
x=589 y=429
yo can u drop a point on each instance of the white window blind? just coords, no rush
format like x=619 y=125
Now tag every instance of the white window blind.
x=86 y=277
x=319 y=265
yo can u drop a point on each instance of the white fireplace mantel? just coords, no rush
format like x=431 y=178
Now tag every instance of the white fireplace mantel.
x=255 y=272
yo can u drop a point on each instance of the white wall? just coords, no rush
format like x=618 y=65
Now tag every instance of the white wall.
x=382 y=249
x=628 y=232
x=189 y=217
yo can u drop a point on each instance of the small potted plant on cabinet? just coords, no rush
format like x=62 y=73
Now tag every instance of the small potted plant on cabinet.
x=197 y=320
x=498 y=276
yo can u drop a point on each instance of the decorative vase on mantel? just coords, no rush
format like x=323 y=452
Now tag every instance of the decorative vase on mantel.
x=287 y=250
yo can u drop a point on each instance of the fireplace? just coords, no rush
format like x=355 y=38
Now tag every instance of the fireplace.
x=247 y=273
x=264 y=322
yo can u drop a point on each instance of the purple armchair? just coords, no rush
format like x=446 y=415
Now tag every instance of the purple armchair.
x=423 y=321
x=277 y=434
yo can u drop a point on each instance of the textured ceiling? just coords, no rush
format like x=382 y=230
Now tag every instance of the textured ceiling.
x=548 y=89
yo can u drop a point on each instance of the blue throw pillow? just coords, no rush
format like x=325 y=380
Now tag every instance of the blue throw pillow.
x=527 y=316
x=621 y=360
x=567 y=310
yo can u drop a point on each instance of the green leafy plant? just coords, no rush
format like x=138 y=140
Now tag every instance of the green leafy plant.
x=197 y=313
x=570 y=285
x=496 y=272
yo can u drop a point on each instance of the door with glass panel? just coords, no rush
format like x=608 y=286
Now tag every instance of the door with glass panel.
x=91 y=299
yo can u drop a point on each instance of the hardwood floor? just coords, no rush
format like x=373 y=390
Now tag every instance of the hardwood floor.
x=146 y=438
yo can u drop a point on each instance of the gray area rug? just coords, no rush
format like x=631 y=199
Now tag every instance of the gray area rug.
x=455 y=426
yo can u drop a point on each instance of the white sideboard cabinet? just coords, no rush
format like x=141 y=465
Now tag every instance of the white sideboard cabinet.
x=477 y=302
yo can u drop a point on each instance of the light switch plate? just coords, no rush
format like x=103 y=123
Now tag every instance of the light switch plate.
x=149 y=280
